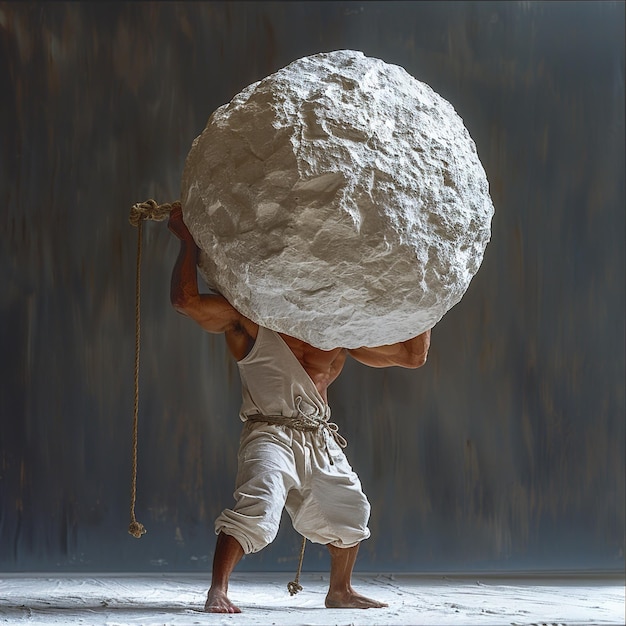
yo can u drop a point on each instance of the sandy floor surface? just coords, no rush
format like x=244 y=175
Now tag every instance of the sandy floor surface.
x=116 y=600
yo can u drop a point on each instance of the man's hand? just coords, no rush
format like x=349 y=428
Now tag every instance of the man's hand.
x=177 y=226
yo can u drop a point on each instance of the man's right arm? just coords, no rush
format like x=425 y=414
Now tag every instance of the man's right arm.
x=211 y=311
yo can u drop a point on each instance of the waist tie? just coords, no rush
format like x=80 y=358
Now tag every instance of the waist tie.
x=304 y=423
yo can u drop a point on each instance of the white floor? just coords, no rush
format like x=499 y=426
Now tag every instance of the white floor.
x=122 y=599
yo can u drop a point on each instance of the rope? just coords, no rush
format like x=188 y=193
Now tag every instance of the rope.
x=294 y=586
x=148 y=210
x=305 y=423
x=135 y=528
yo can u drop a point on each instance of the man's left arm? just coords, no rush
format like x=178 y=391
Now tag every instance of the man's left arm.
x=411 y=353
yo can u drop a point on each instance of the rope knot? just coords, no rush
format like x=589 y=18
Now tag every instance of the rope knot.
x=136 y=529
x=294 y=587
x=150 y=210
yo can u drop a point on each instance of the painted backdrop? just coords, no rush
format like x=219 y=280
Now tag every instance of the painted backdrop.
x=506 y=451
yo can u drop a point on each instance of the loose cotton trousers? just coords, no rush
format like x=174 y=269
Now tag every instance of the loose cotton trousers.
x=305 y=472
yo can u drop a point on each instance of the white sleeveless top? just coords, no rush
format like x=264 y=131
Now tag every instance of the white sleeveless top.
x=274 y=382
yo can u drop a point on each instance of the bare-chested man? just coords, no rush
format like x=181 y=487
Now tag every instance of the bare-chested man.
x=290 y=454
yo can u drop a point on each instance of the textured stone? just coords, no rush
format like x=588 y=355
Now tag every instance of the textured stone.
x=339 y=200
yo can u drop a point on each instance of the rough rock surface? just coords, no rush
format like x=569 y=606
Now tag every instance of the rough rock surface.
x=339 y=200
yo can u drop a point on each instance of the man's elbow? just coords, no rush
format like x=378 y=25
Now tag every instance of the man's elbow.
x=417 y=350
x=417 y=360
x=182 y=304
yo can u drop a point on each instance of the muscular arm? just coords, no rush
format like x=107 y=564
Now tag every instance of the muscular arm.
x=411 y=353
x=211 y=311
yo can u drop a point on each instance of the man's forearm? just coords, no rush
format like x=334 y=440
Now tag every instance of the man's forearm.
x=411 y=353
x=184 y=283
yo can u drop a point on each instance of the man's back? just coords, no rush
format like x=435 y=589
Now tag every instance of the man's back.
x=274 y=382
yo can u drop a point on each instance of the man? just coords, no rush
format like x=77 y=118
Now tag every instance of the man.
x=290 y=454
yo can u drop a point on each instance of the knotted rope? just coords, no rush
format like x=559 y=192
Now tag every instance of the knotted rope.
x=294 y=586
x=305 y=423
x=148 y=210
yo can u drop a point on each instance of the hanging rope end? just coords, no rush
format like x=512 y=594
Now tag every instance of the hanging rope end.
x=136 y=529
x=294 y=587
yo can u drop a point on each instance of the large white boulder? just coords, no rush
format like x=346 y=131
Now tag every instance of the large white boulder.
x=340 y=201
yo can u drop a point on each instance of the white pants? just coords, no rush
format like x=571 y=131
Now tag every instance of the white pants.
x=280 y=467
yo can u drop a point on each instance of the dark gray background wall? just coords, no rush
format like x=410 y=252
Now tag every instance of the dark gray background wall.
x=506 y=451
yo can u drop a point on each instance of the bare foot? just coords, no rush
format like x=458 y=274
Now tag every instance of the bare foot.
x=218 y=602
x=350 y=599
